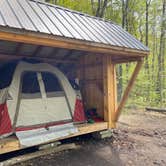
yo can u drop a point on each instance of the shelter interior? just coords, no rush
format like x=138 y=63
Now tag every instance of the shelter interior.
x=95 y=72
x=82 y=46
x=90 y=68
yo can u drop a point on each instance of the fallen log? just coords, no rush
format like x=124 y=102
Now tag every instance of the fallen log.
x=163 y=110
x=39 y=153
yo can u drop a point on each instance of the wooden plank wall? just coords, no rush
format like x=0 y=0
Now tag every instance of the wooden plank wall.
x=98 y=83
x=90 y=74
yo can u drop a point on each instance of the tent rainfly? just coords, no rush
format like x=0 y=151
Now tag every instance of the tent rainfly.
x=84 y=47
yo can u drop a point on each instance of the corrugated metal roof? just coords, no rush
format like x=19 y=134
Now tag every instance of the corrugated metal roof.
x=36 y=16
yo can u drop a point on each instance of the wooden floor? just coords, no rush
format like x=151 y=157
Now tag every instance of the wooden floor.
x=12 y=143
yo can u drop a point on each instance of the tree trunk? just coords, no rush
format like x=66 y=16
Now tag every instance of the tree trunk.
x=161 y=56
x=51 y=1
x=98 y=8
x=147 y=44
x=101 y=7
x=93 y=7
x=120 y=69
x=126 y=14
x=102 y=11
x=147 y=20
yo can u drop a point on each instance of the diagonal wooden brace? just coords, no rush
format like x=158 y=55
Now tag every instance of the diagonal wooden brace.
x=128 y=90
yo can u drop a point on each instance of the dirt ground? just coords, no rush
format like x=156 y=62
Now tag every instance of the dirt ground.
x=139 y=140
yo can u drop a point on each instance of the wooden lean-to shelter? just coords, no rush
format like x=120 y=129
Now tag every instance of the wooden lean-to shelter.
x=86 y=47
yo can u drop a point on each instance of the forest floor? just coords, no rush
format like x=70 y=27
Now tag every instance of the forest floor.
x=139 y=140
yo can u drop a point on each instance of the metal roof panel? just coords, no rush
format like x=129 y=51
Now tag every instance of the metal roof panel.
x=37 y=16
x=85 y=28
x=33 y=16
x=56 y=21
x=2 y=20
x=67 y=15
x=65 y=23
x=46 y=21
x=21 y=16
x=8 y=15
x=89 y=28
x=98 y=32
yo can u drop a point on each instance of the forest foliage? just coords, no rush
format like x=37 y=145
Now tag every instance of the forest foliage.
x=146 y=20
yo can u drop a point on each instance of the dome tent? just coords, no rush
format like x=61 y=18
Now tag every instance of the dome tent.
x=36 y=95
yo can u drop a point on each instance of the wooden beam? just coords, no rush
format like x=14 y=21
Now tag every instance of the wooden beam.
x=37 y=50
x=12 y=143
x=5 y=57
x=128 y=89
x=18 y=48
x=65 y=57
x=61 y=42
x=90 y=65
x=9 y=144
x=29 y=156
x=52 y=53
x=125 y=60
x=110 y=96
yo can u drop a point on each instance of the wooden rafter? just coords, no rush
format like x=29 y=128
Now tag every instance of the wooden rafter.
x=37 y=50
x=18 y=48
x=68 y=54
x=128 y=89
x=53 y=53
x=125 y=60
x=65 y=57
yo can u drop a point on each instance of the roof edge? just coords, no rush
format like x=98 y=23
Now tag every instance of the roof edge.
x=16 y=35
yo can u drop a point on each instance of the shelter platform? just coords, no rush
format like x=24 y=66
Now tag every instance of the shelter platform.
x=12 y=143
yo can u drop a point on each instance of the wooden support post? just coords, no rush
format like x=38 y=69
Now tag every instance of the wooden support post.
x=110 y=96
x=128 y=89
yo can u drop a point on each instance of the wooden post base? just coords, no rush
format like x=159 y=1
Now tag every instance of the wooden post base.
x=112 y=125
x=103 y=134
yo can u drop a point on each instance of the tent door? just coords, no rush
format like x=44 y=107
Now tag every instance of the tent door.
x=42 y=100
x=54 y=96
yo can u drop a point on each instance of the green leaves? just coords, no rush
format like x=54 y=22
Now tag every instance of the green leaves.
x=150 y=88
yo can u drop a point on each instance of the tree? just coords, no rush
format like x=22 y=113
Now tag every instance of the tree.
x=101 y=7
x=146 y=21
x=51 y=1
x=161 y=54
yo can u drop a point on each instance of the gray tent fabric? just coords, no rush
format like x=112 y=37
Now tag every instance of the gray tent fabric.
x=42 y=135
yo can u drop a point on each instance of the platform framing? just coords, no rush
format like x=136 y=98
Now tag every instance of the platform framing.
x=12 y=143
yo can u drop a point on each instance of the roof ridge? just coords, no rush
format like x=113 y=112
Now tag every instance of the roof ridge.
x=74 y=11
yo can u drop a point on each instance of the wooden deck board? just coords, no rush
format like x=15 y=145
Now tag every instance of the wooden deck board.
x=12 y=143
